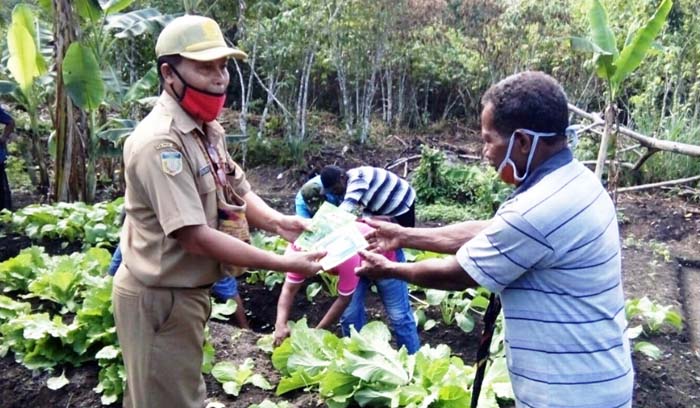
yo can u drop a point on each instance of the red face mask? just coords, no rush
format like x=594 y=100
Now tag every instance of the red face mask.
x=200 y=104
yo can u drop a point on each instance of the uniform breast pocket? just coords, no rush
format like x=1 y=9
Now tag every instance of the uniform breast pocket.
x=206 y=186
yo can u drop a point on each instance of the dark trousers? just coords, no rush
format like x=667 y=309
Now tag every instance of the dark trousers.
x=407 y=219
x=5 y=194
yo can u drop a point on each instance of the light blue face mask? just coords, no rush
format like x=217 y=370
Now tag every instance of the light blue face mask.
x=571 y=135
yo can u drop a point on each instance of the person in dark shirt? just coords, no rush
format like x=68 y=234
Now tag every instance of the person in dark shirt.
x=5 y=193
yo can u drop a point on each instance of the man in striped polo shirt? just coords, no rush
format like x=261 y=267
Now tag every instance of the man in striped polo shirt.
x=552 y=252
x=374 y=191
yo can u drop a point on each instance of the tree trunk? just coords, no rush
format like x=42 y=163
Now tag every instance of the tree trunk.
x=243 y=116
x=69 y=121
x=425 y=115
x=305 y=102
x=389 y=97
x=451 y=101
x=382 y=92
x=270 y=97
x=369 y=92
x=603 y=150
x=346 y=110
x=401 y=97
x=240 y=24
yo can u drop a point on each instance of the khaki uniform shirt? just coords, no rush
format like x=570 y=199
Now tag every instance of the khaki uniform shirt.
x=170 y=185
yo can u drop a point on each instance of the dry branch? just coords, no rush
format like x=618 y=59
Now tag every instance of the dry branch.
x=646 y=141
x=659 y=184
x=402 y=161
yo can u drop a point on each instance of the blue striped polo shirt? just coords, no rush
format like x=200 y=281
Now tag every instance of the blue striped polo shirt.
x=379 y=191
x=553 y=254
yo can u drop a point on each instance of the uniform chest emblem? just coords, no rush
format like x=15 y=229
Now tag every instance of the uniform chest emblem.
x=171 y=162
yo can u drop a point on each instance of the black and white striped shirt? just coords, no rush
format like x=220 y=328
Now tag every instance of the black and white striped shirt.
x=379 y=191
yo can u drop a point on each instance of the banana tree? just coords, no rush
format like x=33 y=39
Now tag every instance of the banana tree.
x=83 y=80
x=27 y=67
x=614 y=66
x=87 y=73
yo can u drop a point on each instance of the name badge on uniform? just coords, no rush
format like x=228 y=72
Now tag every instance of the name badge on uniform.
x=204 y=170
x=171 y=162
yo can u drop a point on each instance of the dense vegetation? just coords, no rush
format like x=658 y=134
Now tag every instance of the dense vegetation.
x=78 y=75
x=374 y=66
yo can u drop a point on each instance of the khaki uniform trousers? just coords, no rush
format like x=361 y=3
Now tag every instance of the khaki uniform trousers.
x=161 y=333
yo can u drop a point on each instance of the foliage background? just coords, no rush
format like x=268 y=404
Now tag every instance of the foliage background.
x=379 y=66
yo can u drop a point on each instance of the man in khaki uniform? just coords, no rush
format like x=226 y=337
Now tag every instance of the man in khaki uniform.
x=175 y=161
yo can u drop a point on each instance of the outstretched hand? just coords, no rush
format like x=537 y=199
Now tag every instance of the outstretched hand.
x=385 y=237
x=305 y=263
x=374 y=266
x=290 y=227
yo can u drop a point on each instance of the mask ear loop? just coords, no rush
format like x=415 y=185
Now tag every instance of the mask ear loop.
x=506 y=158
x=572 y=133
x=535 y=139
x=184 y=83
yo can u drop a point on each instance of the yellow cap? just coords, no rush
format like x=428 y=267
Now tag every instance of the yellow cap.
x=195 y=37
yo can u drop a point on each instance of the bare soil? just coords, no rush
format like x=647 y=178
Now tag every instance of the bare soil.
x=672 y=381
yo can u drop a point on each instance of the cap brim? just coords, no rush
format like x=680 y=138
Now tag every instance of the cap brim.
x=212 y=54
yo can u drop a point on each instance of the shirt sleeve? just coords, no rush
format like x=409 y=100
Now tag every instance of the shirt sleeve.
x=167 y=183
x=300 y=206
x=356 y=189
x=5 y=119
x=499 y=255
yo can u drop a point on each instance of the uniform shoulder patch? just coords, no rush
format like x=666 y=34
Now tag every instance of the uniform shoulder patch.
x=171 y=162
x=165 y=145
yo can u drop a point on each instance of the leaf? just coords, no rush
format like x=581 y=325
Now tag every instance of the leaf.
x=108 y=353
x=143 y=87
x=601 y=33
x=632 y=55
x=312 y=290
x=224 y=371
x=434 y=297
x=208 y=357
x=337 y=384
x=232 y=388
x=36 y=326
x=604 y=66
x=7 y=87
x=453 y=396
x=377 y=369
x=25 y=16
x=266 y=343
x=634 y=332
x=480 y=303
x=56 y=383
x=259 y=381
x=90 y=10
x=138 y=22
x=585 y=45
x=379 y=398
x=23 y=53
x=497 y=377
x=222 y=311
x=465 y=322
x=648 y=350
x=299 y=379
x=114 y=6
x=674 y=319
x=82 y=76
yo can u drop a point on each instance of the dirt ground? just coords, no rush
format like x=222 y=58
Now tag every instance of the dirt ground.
x=672 y=381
